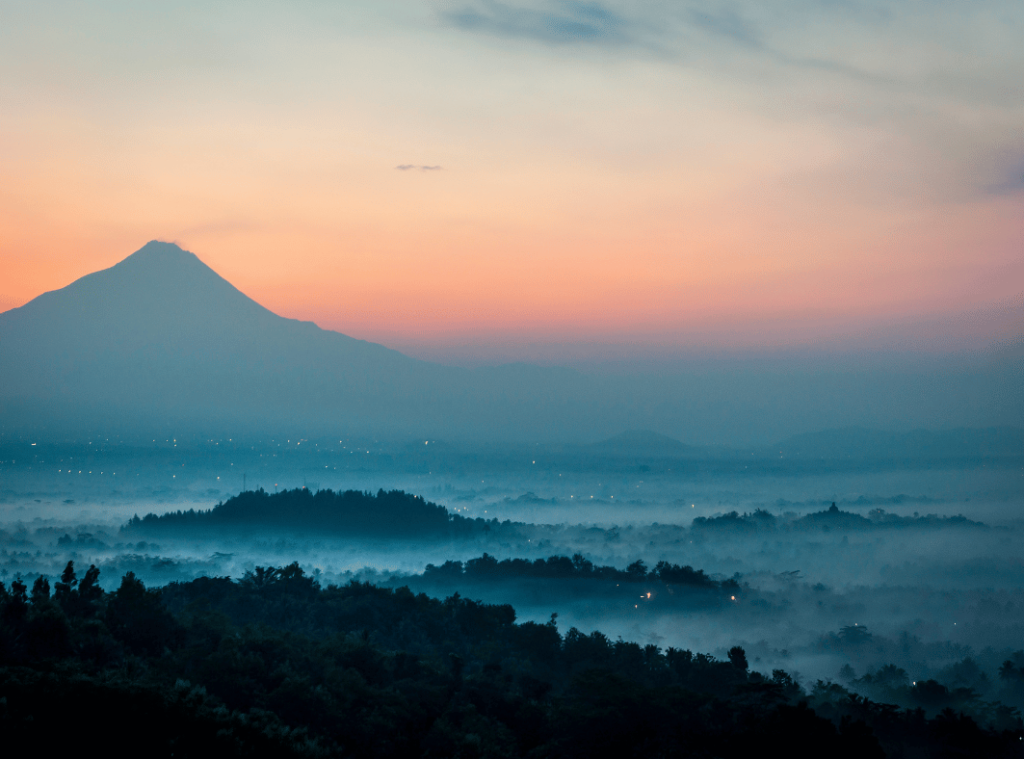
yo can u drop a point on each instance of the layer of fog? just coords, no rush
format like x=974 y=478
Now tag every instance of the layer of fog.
x=929 y=594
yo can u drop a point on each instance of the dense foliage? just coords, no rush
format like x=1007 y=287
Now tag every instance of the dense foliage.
x=558 y=578
x=487 y=567
x=275 y=665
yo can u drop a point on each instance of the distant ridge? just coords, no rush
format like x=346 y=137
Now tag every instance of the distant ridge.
x=643 y=442
x=860 y=443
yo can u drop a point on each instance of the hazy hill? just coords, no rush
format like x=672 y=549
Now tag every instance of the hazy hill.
x=859 y=443
x=642 y=443
x=393 y=514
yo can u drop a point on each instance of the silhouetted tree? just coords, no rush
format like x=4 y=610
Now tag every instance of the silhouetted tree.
x=16 y=607
x=40 y=591
x=62 y=590
x=137 y=618
x=89 y=591
x=637 y=569
x=738 y=657
x=854 y=635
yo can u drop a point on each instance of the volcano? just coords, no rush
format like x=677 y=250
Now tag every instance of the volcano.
x=162 y=337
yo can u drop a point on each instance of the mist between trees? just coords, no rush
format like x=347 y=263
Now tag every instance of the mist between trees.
x=275 y=664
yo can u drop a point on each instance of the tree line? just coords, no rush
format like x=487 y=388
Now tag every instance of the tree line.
x=761 y=520
x=487 y=567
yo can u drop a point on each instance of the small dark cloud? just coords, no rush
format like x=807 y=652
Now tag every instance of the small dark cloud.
x=727 y=24
x=566 y=22
x=416 y=167
x=1011 y=181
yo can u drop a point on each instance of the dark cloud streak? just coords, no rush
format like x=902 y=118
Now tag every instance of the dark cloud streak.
x=728 y=25
x=573 y=22
x=568 y=22
x=1012 y=180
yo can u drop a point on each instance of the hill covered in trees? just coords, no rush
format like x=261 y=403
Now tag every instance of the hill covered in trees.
x=275 y=665
x=392 y=513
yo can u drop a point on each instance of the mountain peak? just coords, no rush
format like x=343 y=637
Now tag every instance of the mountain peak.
x=162 y=333
x=160 y=248
x=158 y=294
x=159 y=253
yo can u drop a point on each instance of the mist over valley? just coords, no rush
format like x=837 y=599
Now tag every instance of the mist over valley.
x=925 y=547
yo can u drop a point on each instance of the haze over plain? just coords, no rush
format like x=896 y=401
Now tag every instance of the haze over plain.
x=161 y=342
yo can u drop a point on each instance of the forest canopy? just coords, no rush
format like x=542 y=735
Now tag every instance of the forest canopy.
x=274 y=664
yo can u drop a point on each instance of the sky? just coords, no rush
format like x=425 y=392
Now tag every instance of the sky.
x=482 y=181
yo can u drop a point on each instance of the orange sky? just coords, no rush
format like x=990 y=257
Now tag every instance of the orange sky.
x=612 y=189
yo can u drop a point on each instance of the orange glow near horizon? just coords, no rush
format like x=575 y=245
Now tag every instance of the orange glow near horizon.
x=601 y=198
x=394 y=287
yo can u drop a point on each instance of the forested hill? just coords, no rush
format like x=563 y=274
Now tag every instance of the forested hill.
x=392 y=513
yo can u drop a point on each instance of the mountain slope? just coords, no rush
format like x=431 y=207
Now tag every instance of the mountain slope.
x=162 y=335
x=642 y=443
x=860 y=443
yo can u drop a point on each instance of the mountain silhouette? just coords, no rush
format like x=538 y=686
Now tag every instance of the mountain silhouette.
x=162 y=296
x=161 y=336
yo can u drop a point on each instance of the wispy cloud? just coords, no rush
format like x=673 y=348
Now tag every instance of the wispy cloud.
x=416 y=167
x=727 y=24
x=863 y=40
x=562 y=22
x=1011 y=181
x=664 y=30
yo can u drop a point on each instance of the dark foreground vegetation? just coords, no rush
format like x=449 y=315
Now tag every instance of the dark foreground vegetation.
x=392 y=513
x=275 y=665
